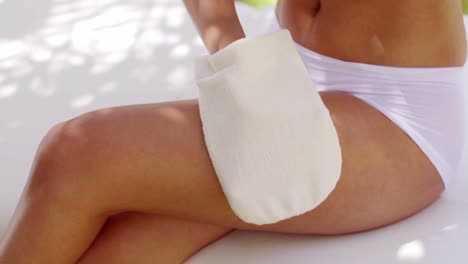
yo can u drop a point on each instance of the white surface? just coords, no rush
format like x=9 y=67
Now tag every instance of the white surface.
x=61 y=58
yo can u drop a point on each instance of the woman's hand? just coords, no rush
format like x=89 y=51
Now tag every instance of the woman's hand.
x=216 y=21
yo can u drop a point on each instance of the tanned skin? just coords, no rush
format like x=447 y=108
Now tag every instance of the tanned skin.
x=135 y=184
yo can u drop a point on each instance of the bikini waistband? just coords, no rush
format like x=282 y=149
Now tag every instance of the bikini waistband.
x=454 y=76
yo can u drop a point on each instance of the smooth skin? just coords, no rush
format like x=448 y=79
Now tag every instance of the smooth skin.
x=135 y=183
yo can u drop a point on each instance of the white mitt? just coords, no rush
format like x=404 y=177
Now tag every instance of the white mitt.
x=270 y=138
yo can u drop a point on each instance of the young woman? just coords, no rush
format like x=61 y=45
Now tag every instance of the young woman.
x=135 y=184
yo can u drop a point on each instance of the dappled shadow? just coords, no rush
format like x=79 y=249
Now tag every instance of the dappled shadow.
x=62 y=58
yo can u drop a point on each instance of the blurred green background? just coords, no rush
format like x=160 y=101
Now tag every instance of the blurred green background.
x=263 y=3
x=259 y=3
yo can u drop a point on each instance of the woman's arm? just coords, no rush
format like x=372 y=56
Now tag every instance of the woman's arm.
x=216 y=22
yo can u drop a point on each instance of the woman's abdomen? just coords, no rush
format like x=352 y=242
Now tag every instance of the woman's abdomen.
x=419 y=33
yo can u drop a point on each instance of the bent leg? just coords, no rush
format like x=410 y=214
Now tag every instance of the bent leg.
x=152 y=158
x=385 y=176
x=149 y=238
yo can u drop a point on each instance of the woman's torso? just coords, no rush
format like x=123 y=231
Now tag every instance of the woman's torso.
x=417 y=33
x=425 y=101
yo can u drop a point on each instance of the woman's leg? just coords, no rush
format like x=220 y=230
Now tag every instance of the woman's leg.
x=150 y=238
x=151 y=158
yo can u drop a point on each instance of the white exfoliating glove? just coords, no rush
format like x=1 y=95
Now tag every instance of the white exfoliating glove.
x=271 y=139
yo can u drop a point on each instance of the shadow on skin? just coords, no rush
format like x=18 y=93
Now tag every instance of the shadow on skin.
x=415 y=239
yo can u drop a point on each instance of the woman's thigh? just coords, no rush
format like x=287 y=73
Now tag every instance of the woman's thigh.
x=150 y=238
x=152 y=158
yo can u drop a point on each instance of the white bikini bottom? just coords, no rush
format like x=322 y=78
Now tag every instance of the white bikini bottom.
x=426 y=103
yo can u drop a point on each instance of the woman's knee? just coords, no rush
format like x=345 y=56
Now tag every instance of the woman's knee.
x=64 y=168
